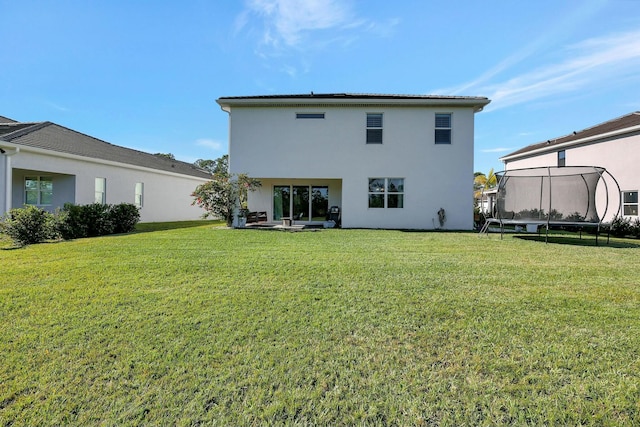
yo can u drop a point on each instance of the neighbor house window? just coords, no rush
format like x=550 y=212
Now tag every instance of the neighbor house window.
x=386 y=193
x=443 y=128
x=38 y=190
x=561 y=158
x=309 y=115
x=101 y=190
x=630 y=203
x=139 y=194
x=374 y=128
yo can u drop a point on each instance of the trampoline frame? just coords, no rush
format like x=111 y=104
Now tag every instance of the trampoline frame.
x=548 y=223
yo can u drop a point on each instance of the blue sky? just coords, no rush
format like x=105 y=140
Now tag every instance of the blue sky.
x=146 y=74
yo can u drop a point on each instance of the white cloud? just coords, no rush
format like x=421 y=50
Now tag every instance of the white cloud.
x=287 y=20
x=286 y=25
x=212 y=144
x=55 y=106
x=595 y=62
x=497 y=150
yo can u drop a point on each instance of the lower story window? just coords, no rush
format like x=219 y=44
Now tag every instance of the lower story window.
x=38 y=190
x=300 y=202
x=139 y=194
x=101 y=190
x=386 y=193
x=630 y=203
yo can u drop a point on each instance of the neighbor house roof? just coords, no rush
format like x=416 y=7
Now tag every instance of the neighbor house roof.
x=53 y=137
x=6 y=120
x=619 y=126
x=352 y=99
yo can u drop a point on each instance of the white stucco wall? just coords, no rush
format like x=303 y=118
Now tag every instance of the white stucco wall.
x=272 y=143
x=620 y=156
x=167 y=197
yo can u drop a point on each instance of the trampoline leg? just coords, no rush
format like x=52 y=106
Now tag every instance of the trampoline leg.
x=546 y=234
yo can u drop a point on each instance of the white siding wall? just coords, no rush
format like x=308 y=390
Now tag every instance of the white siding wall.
x=272 y=143
x=166 y=197
x=620 y=157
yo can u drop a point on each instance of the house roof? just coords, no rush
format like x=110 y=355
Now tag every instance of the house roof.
x=53 y=137
x=338 y=99
x=618 y=126
x=6 y=120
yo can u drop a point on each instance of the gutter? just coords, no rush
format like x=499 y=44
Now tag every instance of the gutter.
x=227 y=103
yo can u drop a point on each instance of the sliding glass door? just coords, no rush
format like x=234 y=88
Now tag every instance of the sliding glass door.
x=281 y=202
x=319 y=203
x=301 y=203
x=304 y=203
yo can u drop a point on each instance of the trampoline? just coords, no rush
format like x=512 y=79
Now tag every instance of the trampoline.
x=567 y=196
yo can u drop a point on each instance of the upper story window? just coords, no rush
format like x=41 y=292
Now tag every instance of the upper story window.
x=630 y=203
x=38 y=190
x=386 y=193
x=374 y=128
x=309 y=115
x=101 y=190
x=561 y=158
x=443 y=128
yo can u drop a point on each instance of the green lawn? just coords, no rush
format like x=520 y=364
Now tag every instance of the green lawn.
x=202 y=325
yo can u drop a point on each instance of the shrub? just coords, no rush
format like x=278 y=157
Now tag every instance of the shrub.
x=29 y=225
x=620 y=226
x=71 y=222
x=97 y=219
x=77 y=221
x=124 y=217
x=635 y=228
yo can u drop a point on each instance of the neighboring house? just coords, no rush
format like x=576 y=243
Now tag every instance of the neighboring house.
x=387 y=161
x=48 y=165
x=614 y=145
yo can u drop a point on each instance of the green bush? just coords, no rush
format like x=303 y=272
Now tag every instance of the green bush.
x=124 y=217
x=97 y=219
x=77 y=221
x=71 y=222
x=29 y=225
x=620 y=226
x=635 y=228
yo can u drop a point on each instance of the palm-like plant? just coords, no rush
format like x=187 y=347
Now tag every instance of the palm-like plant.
x=483 y=182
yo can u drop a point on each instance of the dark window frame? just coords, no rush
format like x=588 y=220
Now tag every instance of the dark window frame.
x=386 y=193
x=443 y=134
x=562 y=158
x=630 y=203
x=375 y=126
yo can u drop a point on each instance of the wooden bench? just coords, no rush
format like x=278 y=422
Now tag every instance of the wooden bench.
x=253 y=217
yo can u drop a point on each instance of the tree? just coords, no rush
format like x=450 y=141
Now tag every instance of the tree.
x=483 y=182
x=221 y=196
x=166 y=155
x=218 y=165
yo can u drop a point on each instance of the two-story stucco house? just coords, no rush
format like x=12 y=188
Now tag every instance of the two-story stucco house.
x=614 y=145
x=48 y=165
x=387 y=161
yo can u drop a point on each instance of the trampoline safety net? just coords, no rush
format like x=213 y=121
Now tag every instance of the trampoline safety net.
x=548 y=194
